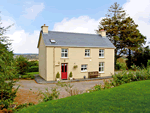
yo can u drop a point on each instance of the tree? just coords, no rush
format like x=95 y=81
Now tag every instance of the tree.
x=7 y=70
x=131 y=37
x=141 y=56
x=121 y=31
x=112 y=24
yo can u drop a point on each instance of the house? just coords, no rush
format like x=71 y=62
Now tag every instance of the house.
x=78 y=53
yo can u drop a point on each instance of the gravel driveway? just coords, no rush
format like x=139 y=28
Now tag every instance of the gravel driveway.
x=32 y=85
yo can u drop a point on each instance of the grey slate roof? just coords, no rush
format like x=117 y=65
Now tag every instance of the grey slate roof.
x=76 y=40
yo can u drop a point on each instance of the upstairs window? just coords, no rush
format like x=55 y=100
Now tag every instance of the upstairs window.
x=83 y=67
x=87 y=53
x=64 y=53
x=101 y=53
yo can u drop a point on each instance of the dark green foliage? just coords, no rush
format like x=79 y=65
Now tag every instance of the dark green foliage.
x=126 y=77
x=131 y=38
x=148 y=63
x=140 y=57
x=120 y=66
x=33 y=63
x=57 y=75
x=122 y=32
x=112 y=23
x=128 y=98
x=33 y=69
x=7 y=71
x=22 y=64
x=70 y=75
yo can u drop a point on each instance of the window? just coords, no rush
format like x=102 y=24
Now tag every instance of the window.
x=101 y=53
x=64 y=53
x=83 y=68
x=52 y=41
x=101 y=67
x=87 y=52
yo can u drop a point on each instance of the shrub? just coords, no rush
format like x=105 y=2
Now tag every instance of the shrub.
x=107 y=84
x=117 y=66
x=50 y=96
x=134 y=67
x=33 y=63
x=125 y=77
x=70 y=75
x=120 y=66
x=22 y=64
x=57 y=75
x=16 y=76
x=28 y=76
x=97 y=87
x=33 y=69
x=68 y=88
x=25 y=105
x=148 y=63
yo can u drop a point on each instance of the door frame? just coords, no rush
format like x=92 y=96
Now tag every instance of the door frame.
x=61 y=71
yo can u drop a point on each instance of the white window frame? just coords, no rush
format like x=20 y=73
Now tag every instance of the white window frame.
x=101 y=65
x=87 y=51
x=63 y=51
x=101 y=51
x=84 y=66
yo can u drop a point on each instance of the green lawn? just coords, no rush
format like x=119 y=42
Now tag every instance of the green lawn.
x=131 y=97
x=33 y=73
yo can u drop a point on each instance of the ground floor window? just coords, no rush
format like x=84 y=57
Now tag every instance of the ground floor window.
x=84 y=67
x=101 y=67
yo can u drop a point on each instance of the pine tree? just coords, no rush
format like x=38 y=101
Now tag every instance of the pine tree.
x=7 y=70
x=131 y=36
x=121 y=31
x=112 y=24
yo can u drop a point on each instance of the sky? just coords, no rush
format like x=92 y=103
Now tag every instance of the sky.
x=80 y=16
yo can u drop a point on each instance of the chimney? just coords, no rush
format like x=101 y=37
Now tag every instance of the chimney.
x=44 y=28
x=102 y=33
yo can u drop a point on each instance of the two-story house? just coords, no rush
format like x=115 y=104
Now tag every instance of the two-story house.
x=78 y=53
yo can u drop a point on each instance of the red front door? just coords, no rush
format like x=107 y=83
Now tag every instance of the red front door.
x=63 y=71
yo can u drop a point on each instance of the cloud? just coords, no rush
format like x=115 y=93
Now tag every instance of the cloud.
x=33 y=11
x=140 y=11
x=82 y=24
x=23 y=42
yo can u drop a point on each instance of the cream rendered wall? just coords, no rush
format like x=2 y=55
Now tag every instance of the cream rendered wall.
x=42 y=59
x=76 y=57
x=50 y=63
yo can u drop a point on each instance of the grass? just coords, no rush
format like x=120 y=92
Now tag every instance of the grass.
x=33 y=73
x=131 y=97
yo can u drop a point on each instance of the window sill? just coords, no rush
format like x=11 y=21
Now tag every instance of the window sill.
x=56 y=64
x=101 y=57
x=83 y=71
x=87 y=57
x=102 y=72
x=64 y=57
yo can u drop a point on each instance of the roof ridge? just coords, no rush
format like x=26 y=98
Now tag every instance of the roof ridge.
x=73 y=33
